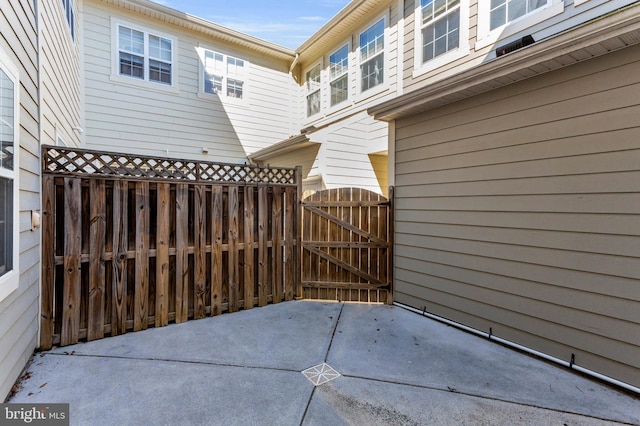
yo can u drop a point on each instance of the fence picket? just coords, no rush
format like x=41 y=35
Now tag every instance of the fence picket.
x=182 y=254
x=162 y=256
x=233 y=249
x=200 y=259
x=276 y=222
x=289 y=257
x=48 y=263
x=262 y=245
x=70 y=331
x=141 y=295
x=216 y=250
x=95 y=320
x=120 y=246
x=249 y=219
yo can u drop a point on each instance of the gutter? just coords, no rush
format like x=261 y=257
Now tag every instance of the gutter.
x=570 y=364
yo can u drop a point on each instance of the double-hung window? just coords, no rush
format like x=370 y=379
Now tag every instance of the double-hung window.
x=313 y=82
x=145 y=56
x=372 y=56
x=339 y=75
x=440 y=27
x=8 y=178
x=224 y=75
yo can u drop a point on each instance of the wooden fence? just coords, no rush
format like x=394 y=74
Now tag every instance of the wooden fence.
x=131 y=242
x=347 y=246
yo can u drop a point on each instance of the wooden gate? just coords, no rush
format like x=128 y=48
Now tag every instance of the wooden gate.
x=347 y=246
x=131 y=242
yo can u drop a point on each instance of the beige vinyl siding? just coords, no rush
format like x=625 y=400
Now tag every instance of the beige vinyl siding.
x=517 y=212
x=153 y=119
x=60 y=76
x=19 y=311
x=570 y=17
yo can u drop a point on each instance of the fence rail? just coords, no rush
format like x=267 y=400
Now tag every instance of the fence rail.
x=131 y=242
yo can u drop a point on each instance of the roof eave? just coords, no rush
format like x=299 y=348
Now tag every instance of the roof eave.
x=555 y=52
x=285 y=146
x=209 y=28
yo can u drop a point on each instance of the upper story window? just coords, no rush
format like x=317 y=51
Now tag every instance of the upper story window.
x=313 y=82
x=145 y=56
x=504 y=11
x=8 y=177
x=372 y=56
x=67 y=7
x=339 y=75
x=501 y=19
x=224 y=75
x=440 y=27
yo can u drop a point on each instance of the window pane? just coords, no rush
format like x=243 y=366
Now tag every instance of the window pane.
x=7 y=120
x=131 y=40
x=313 y=79
x=159 y=48
x=131 y=65
x=340 y=90
x=214 y=63
x=313 y=103
x=212 y=83
x=234 y=88
x=159 y=71
x=498 y=17
x=372 y=41
x=516 y=9
x=372 y=72
x=6 y=225
x=235 y=67
x=339 y=62
x=441 y=36
x=504 y=11
x=433 y=9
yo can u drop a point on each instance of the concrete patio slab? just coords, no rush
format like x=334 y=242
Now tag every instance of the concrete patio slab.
x=290 y=336
x=435 y=355
x=115 y=391
x=396 y=367
x=354 y=401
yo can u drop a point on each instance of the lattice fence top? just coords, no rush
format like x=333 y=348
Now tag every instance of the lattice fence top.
x=73 y=161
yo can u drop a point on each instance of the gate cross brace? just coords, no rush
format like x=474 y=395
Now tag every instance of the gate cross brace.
x=344 y=265
x=344 y=224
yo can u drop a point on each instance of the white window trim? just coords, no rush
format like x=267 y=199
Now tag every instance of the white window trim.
x=323 y=77
x=487 y=37
x=10 y=281
x=461 y=51
x=386 y=82
x=136 y=82
x=246 y=86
